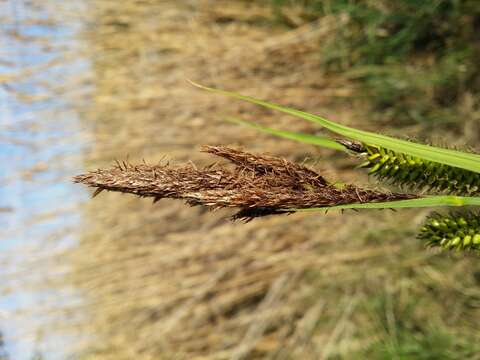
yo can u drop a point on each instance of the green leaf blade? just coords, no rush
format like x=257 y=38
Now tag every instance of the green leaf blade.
x=444 y=156
x=431 y=201
x=300 y=137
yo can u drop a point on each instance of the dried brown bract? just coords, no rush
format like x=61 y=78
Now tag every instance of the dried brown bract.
x=257 y=185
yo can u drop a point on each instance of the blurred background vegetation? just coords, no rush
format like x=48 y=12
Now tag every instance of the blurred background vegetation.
x=165 y=281
x=414 y=61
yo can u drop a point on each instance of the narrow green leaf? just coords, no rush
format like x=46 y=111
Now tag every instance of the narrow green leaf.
x=431 y=201
x=444 y=156
x=305 y=138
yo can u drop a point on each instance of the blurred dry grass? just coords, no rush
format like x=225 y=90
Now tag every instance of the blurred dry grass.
x=167 y=281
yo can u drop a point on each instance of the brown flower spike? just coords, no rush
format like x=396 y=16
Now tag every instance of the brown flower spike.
x=258 y=185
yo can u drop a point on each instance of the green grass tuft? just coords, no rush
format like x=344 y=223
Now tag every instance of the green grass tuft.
x=414 y=60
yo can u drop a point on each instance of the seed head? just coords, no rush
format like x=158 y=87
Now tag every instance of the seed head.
x=460 y=231
x=257 y=185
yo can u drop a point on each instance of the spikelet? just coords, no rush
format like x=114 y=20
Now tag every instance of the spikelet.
x=454 y=231
x=413 y=172
x=258 y=185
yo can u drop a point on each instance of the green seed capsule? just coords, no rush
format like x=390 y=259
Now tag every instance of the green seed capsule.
x=384 y=159
x=476 y=239
x=375 y=168
x=455 y=241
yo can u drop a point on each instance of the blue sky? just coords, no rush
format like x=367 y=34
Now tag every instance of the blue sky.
x=41 y=135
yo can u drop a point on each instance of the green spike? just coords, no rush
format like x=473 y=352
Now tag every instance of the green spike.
x=453 y=231
x=417 y=173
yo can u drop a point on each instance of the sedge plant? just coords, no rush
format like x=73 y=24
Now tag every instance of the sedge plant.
x=260 y=185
